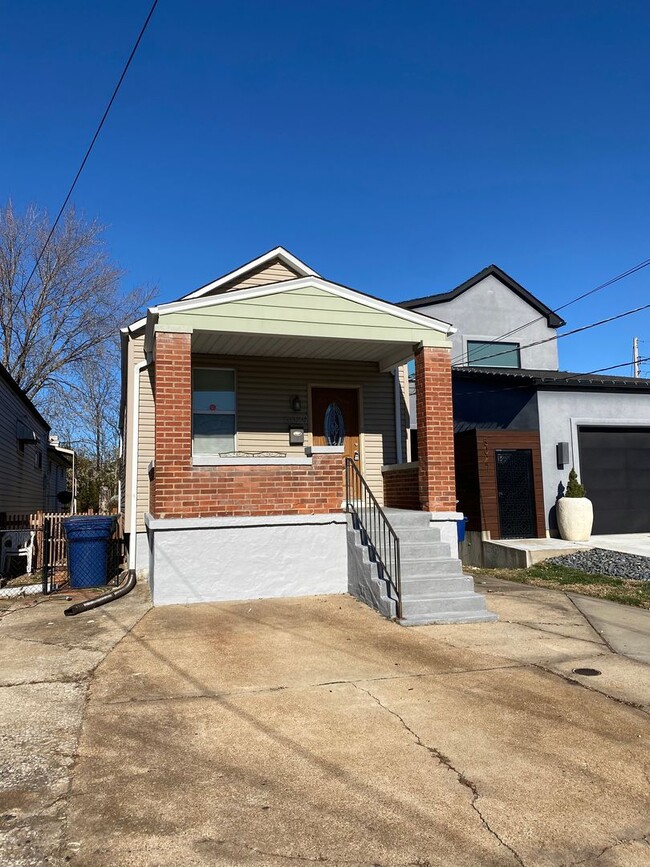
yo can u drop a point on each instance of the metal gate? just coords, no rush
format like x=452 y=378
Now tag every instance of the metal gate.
x=516 y=493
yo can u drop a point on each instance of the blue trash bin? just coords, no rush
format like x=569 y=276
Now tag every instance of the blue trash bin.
x=88 y=538
x=461 y=526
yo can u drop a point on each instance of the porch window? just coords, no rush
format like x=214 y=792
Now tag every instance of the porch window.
x=213 y=411
x=486 y=353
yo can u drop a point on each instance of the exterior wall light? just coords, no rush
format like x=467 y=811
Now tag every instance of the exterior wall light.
x=296 y=404
x=562 y=452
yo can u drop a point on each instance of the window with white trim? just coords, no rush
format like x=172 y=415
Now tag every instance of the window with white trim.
x=213 y=411
x=492 y=353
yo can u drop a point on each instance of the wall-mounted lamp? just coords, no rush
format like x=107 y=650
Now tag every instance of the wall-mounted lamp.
x=296 y=404
x=562 y=451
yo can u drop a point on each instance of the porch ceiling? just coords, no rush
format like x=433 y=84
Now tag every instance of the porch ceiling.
x=385 y=353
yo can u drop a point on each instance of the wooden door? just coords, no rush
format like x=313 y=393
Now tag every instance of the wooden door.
x=335 y=419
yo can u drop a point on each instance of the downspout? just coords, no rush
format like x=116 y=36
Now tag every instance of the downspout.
x=397 y=390
x=134 y=443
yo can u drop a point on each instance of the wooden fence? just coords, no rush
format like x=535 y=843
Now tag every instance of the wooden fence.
x=50 y=547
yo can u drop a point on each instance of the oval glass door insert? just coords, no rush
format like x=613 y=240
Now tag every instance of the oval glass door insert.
x=333 y=425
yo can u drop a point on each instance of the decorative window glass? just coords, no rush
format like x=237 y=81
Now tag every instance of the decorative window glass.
x=213 y=411
x=333 y=425
x=486 y=353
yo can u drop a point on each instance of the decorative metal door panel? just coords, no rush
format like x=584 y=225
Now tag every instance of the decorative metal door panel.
x=515 y=493
x=335 y=419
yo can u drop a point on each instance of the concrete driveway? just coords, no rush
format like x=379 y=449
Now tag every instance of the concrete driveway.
x=314 y=731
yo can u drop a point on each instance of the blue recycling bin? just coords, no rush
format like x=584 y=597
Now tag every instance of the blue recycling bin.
x=88 y=537
x=461 y=526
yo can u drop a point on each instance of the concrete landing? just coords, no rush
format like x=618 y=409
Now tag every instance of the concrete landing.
x=522 y=553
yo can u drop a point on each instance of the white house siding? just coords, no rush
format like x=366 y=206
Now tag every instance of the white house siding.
x=489 y=310
x=22 y=481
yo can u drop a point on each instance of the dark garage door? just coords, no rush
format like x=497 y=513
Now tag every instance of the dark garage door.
x=615 y=470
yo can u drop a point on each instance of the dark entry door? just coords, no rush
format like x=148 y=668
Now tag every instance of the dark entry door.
x=516 y=493
x=335 y=419
x=615 y=470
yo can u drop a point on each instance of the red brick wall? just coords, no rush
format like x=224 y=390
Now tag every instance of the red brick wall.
x=401 y=487
x=435 y=430
x=180 y=490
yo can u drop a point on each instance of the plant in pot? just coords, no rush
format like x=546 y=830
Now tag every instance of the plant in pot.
x=575 y=513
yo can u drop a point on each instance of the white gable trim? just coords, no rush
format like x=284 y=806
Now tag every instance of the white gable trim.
x=302 y=283
x=277 y=253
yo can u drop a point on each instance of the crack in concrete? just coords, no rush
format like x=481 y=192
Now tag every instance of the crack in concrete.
x=447 y=763
x=589 y=688
x=590 y=624
x=556 y=634
x=265 y=689
x=644 y=838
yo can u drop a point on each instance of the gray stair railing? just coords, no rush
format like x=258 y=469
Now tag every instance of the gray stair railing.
x=376 y=530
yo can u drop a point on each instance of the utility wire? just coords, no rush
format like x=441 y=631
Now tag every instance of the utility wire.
x=566 y=333
x=92 y=144
x=633 y=270
x=572 y=377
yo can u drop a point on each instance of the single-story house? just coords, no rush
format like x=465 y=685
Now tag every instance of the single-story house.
x=260 y=409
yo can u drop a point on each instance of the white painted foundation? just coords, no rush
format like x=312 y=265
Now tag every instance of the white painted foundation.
x=447 y=523
x=219 y=559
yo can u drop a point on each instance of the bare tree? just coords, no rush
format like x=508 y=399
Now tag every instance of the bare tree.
x=70 y=309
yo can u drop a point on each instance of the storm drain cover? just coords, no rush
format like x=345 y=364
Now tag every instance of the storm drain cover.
x=587 y=672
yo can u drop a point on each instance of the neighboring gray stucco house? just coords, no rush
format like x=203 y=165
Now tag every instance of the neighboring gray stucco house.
x=521 y=423
x=485 y=309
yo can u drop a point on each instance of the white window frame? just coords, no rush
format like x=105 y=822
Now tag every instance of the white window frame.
x=227 y=412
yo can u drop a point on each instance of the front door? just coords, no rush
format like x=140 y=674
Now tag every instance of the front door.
x=516 y=493
x=335 y=419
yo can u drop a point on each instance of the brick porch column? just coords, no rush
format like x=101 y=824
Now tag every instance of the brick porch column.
x=173 y=431
x=435 y=430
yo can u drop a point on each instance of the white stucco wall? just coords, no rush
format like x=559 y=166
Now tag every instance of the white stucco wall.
x=489 y=310
x=218 y=559
x=560 y=416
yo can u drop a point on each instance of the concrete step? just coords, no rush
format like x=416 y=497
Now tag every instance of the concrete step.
x=426 y=567
x=466 y=601
x=442 y=617
x=405 y=518
x=424 y=551
x=421 y=588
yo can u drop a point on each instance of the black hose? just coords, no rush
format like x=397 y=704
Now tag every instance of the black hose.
x=125 y=587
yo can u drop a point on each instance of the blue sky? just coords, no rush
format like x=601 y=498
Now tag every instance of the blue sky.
x=395 y=147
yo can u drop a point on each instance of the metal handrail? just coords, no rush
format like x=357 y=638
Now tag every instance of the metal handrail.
x=381 y=538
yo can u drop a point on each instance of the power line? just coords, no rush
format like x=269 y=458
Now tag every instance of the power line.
x=572 y=377
x=567 y=333
x=633 y=270
x=91 y=145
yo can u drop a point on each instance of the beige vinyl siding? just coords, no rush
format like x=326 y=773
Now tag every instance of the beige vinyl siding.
x=276 y=272
x=22 y=483
x=310 y=311
x=266 y=387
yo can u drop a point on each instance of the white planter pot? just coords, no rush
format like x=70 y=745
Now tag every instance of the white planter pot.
x=575 y=518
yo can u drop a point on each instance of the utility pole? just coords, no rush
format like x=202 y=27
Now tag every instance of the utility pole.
x=635 y=357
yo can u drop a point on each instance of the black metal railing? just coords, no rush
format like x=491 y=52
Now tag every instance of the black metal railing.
x=376 y=530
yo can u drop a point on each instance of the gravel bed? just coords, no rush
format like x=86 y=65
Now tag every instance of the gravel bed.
x=603 y=562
